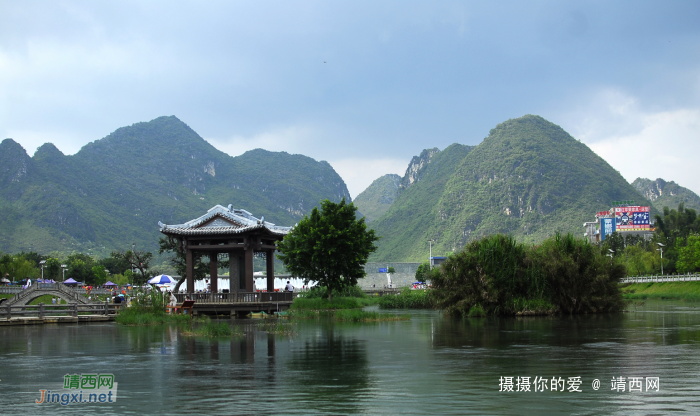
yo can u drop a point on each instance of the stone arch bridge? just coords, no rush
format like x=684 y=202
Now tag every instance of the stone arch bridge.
x=58 y=290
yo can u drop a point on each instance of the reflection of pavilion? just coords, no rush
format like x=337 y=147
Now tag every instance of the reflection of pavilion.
x=240 y=235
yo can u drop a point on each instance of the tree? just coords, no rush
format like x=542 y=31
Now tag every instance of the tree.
x=100 y=274
x=329 y=247
x=52 y=269
x=179 y=260
x=689 y=256
x=80 y=267
x=139 y=260
x=423 y=272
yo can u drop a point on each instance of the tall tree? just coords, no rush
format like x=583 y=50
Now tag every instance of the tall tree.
x=179 y=261
x=138 y=260
x=330 y=247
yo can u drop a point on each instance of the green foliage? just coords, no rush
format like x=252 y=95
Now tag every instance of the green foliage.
x=355 y=315
x=52 y=269
x=391 y=270
x=17 y=267
x=407 y=299
x=137 y=260
x=528 y=178
x=113 y=192
x=502 y=277
x=178 y=260
x=689 y=291
x=323 y=303
x=689 y=255
x=322 y=292
x=100 y=274
x=330 y=247
x=378 y=197
x=423 y=272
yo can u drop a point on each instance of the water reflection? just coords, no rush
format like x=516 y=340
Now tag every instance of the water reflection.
x=332 y=369
x=429 y=365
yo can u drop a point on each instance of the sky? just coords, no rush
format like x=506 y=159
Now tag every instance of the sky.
x=364 y=85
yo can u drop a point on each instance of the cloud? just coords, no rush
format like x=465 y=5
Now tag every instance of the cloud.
x=359 y=173
x=290 y=139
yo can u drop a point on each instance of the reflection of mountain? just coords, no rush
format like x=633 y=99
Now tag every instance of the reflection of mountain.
x=333 y=370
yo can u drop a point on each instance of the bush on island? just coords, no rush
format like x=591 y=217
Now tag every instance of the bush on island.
x=498 y=276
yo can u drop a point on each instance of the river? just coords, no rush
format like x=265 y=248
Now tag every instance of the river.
x=428 y=365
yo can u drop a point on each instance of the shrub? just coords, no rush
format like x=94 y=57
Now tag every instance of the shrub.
x=498 y=276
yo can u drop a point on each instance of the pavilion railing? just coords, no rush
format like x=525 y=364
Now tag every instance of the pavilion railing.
x=236 y=297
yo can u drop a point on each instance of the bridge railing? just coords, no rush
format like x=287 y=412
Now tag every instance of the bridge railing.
x=236 y=297
x=46 y=311
x=662 y=278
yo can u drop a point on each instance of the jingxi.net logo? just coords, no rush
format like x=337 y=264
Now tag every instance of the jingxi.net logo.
x=82 y=388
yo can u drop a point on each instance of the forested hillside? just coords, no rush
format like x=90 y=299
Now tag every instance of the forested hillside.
x=113 y=192
x=528 y=178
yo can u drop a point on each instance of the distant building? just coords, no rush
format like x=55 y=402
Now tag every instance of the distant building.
x=436 y=261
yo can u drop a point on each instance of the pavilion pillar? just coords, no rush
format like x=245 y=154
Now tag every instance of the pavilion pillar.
x=270 y=257
x=190 y=271
x=214 y=272
x=234 y=282
x=249 y=281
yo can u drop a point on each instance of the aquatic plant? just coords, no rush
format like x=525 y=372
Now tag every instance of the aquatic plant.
x=407 y=299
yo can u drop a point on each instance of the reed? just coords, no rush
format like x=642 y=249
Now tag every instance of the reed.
x=407 y=299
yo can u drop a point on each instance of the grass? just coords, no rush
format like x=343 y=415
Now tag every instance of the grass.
x=406 y=299
x=135 y=316
x=204 y=327
x=347 y=315
x=338 y=303
x=688 y=291
x=355 y=315
x=278 y=328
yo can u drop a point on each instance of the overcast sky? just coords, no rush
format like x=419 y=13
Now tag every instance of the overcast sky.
x=363 y=85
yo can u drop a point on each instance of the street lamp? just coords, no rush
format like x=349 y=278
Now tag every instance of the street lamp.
x=64 y=266
x=611 y=253
x=42 y=263
x=661 y=249
x=430 y=259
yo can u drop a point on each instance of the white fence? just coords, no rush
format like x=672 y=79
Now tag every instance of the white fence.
x=659 y=278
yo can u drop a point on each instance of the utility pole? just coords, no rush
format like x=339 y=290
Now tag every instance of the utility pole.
x=430 y=259
x=661 y=249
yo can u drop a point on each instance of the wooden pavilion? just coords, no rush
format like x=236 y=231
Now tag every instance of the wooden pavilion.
x=235 y=232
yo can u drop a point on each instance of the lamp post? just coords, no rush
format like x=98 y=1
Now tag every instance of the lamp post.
x=42 y=263
x=611 y=254
x=64 y=266
x=661 y=249
x=430 y=259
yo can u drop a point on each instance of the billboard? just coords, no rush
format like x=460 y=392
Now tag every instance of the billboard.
x=607 y=227
x=631 y=218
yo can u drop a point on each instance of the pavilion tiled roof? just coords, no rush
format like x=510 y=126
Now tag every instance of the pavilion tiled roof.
x=221 y=220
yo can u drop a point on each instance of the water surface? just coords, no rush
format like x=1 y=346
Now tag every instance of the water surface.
x=428 y=365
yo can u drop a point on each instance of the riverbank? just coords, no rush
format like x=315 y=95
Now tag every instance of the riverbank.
x=688 y=291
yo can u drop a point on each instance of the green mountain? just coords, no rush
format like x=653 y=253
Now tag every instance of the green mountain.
x=528 y=178
x=378 y=197
x=113 y=192
x=667 y=194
